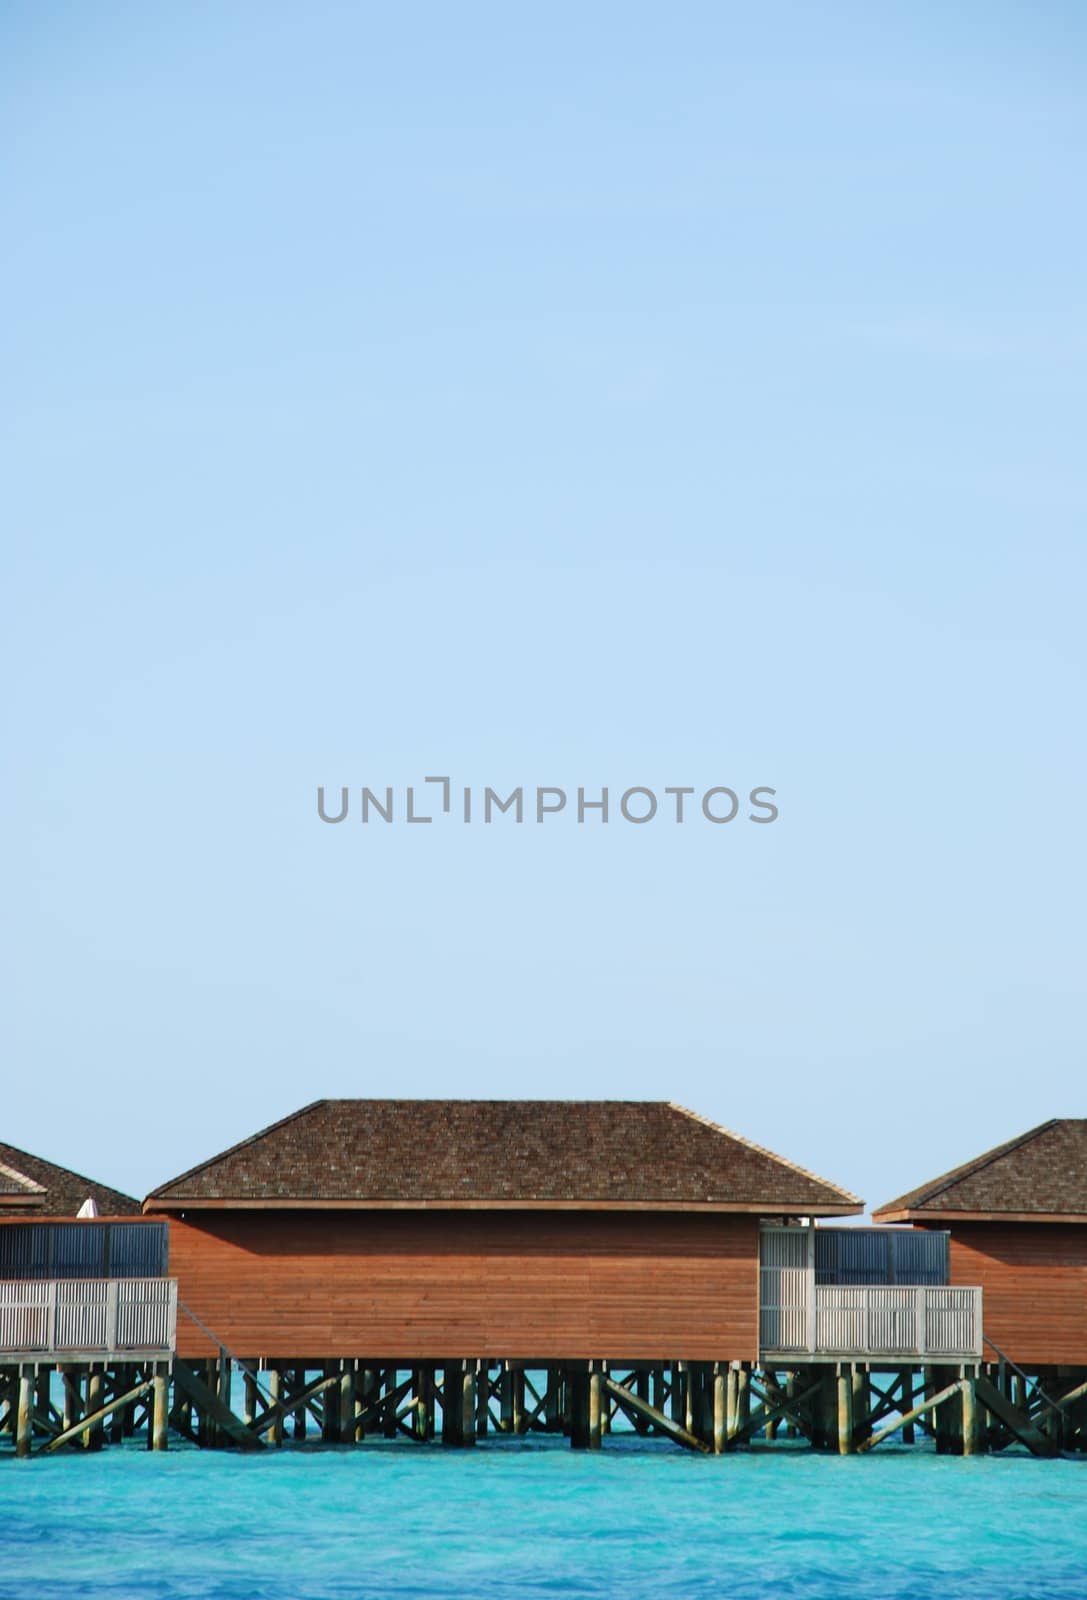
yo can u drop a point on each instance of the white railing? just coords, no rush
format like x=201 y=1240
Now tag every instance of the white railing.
x=73 y=1317
x=871 y=1322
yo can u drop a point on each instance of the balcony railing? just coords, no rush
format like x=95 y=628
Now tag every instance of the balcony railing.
x=870 y=1323
x=73 y=1318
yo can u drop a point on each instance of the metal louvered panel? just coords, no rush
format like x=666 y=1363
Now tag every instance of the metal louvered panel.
x=881 y=1256
x=83 y=1249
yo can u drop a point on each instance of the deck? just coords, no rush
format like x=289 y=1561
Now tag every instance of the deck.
x=919 y=1323
x=77 y=1319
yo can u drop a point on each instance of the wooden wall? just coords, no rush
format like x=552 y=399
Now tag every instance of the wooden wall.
x=1034 y=1277
x=401 y=1284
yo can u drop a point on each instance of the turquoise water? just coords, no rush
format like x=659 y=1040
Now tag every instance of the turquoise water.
x=523 y=1519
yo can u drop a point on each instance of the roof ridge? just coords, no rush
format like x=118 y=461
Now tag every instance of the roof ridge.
x=918 y=1198
x=784 y=1161
x=213 y=1161
x=21 y=1178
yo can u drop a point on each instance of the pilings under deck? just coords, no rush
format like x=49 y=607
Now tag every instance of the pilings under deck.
x=841 y=1407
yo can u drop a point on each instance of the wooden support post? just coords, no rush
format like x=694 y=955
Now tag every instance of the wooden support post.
x=24 y=1411
x=116 y=1385
x=251 y=1393
x=773 y=1422
x=906 y=1404
x=298 y=1425
x=720 y=1409
x=71 y=1403
x=468 y=1406
x=483 y=1401
x=330 y=1415
x=845 y=1409
x=92 y=1439
x=347 y=1403
x=41 y=1391
x=678 y=1397
x=657 y=1388
x=275 y=1394
x=743 y=1395
x=969 y=1411
x=452 y=1403
x=732 y=1401
x=368 y=1387
x=388 y=1410
x=577 y=1397
x=505 y=1399
x=160 y=1408
x=861 y=1401
x=1019 y=1391
x=596 y=1408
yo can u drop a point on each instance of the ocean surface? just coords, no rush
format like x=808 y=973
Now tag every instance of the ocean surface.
x=517 y=1519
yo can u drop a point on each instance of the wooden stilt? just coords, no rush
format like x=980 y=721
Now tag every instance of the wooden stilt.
x=369 y=1382
x=298 y=1425
x=743 y=1395
x=505 y=1399
x=720 y=1408
x=119 y=1381
x=732 y=1401
x=423 y=1418
x=41 y=1391
x=92 y=1439
x=388 y=1410
x=484 y=1389
x=330 y=1415
x=73 y=1399
x=969 y=1411
x=275 y=1393
x=346 y=1430
x=861 y=1395
x=160 y=1409
x=24 y=1411
x=906 y=1404
x=468 y=1404
x=845 y=1409
x=249 y=1403
x=596 y=1408
x=791 y=1429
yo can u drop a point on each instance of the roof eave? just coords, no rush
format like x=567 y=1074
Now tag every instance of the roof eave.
x=943 y=1214
x=759 y=1208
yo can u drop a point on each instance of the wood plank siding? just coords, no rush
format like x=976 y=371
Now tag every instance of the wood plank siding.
x=437 y=1285
x=1034 y=1282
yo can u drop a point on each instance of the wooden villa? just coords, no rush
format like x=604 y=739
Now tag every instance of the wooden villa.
x=1016 y=1218
x=31 y=1186
x=84 y=1296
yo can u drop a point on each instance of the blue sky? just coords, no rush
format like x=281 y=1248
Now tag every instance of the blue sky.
x=560 y=395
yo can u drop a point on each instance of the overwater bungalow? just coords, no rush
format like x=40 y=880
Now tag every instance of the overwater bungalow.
x=1016 y=1220
x=33 y=1187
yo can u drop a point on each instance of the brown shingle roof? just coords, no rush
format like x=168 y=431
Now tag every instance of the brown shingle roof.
x=52 y=1191
x=502 y=1153
x=1041 y=1173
